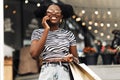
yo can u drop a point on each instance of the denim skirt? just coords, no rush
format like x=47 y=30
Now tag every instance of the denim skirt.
x=54 y=71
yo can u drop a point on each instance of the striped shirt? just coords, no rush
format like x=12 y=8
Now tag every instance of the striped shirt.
x=57 y=43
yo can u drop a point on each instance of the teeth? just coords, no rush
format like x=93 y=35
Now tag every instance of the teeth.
x=53 y=17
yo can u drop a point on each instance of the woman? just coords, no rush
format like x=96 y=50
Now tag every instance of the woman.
x=56 y=46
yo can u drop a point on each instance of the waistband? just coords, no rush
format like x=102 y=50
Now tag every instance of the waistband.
x=53 y=60
x=56 y=61
x=59 y=63
x=54 y=64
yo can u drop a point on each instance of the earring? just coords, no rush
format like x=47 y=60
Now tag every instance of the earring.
x=60 y=20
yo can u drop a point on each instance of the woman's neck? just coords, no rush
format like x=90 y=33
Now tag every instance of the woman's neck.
x=52 y=28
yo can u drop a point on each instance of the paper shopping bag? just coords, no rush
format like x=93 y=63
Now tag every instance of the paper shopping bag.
x=80 y=73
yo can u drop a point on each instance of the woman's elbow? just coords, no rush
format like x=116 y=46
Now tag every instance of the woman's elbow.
x=33 y=54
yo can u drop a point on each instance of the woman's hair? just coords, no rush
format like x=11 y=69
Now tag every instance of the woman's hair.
x=67 y=10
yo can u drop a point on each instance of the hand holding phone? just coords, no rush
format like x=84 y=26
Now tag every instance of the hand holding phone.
x=44 y=22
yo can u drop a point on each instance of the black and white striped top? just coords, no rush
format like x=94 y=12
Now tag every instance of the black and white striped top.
x=57 y=43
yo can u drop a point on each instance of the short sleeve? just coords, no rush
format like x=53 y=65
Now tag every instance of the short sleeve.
x=72 y=39
x=36 y=34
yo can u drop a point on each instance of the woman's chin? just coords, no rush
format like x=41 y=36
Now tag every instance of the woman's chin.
x=52 y=24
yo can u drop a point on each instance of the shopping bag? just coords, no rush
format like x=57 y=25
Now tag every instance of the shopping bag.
x=82 y=72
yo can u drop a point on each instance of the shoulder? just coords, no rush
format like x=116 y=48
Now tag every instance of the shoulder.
x=38 y=30
x=36 y=34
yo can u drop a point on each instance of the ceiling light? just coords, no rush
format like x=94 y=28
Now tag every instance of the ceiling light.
x=38 y=4
x=83 y=11
x=90 y=22
x=83 y=23
x=108 y=36
x=116 y=25
x=74 y=16
x=109 y=12
x=108 y=25
x=26 y=1
x=95 y=31
x=101 y=24
x=96 y=12
x=96 y=24
x=14 y=11
x=89 y=27
x=101 y=34
x=6 y=6
x=78 y=19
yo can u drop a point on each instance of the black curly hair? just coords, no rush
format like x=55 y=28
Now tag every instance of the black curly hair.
x=67 y=10
x=116 y=32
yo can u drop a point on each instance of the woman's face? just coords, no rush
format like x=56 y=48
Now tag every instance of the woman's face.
x=54 y=12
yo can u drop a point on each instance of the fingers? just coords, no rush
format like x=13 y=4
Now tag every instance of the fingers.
x=44 y=23
x=45 y=18
x=68 y=58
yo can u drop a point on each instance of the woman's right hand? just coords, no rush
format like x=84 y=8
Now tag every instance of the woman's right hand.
x=44 y=22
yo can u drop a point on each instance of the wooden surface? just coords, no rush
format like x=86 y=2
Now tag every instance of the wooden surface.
x=8 y=74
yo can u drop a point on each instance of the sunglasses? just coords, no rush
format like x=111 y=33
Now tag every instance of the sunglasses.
x=53 y=11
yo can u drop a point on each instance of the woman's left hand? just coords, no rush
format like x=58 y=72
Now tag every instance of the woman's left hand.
x=70 y=58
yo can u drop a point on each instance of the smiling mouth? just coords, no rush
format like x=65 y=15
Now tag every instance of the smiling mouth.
x=53 y=18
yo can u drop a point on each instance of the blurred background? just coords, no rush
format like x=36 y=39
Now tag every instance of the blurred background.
x=95 y=24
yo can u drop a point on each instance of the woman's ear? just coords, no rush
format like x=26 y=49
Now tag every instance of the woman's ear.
x=60 y=20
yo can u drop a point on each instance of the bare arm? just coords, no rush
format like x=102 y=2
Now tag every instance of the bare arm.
x=38 y=45
x=73 y=51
